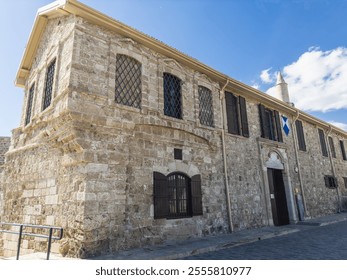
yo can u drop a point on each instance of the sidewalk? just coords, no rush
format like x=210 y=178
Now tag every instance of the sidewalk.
x=193 y=246
x=179 y=249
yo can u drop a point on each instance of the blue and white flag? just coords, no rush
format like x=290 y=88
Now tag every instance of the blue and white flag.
x=285 y=126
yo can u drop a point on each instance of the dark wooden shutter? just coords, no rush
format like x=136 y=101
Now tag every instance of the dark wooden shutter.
x=343 y=151
x=264 y=125
x=322 y=142
x=161 y=194
x=232 y=116
x=196 y=195
x=332 y=147
x=279 y=137
x=326 y=181
x=300 y=134
x=244 y=119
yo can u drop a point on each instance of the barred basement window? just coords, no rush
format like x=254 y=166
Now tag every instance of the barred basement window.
x=172 y=96
x=270 y=124
x=128 y=81
x=332 y=147
x=176 y=195
x=236 y=114
x=322 y=142
x=300 y=134
x=206 y=108
x=29 y=104
x=330 y=182
x=49 y=85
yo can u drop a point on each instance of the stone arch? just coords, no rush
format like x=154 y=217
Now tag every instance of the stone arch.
x=189 y=169
x=275 y=160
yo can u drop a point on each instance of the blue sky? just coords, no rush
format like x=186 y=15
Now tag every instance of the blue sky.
x=249 y=40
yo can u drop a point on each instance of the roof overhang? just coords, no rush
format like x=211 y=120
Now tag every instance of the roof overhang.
x=66 y=7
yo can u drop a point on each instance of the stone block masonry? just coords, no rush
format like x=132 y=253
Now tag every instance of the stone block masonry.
x=4 y=147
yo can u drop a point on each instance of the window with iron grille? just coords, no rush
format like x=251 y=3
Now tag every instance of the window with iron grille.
x=236 y=111
x=270 y=124
x=330 y=182
x=49 y=85
x=178 y=154
x=128 y=81
x=29 y=104
x=172 y=96
x=332 y=147
x=323 y=143
x=176 y=195
x=300 y=134
x=206 y=108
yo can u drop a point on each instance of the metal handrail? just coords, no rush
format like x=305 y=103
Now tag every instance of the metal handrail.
x=50 y=236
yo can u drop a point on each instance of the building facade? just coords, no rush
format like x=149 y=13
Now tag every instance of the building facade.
x=126 y=142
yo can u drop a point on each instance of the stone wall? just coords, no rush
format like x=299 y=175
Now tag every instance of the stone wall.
x=87 y=163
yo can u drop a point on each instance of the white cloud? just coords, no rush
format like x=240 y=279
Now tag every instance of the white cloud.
x=340 y=125
x=317 y=81
x=255 y=85
x=266 y=77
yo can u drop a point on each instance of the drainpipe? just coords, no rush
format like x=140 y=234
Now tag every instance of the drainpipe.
x=333 y=169
x=222 y=109
x=297 y=160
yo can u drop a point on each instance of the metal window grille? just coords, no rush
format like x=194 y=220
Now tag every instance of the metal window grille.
x=49 y=85
x=172 y=96
x=29 y=104
x=206 y=108
x=330 y=182
x=179 y=197
x=178 y=154
x=128 y=81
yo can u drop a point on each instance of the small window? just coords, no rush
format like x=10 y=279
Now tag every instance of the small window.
x=236 y=111
x=330 y=182
x=345 y=181
x=332 y=147
x=205 y=108
x=49 y=85
x=300 y=134
x=270 y=124
x=322 y=142
x=343 y=151
x=128 y=81
x=172 y=96
x=178 y=154
x=29 y=104
x=176 y=195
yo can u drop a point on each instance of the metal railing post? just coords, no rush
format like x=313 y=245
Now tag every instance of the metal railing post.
x=49 y=242
x=19 y=240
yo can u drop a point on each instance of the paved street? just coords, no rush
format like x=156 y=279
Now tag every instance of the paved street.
x=312 y=243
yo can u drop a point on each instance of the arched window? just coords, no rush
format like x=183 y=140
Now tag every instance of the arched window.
x=172 y=96
x=177 y=195
x=128 y=81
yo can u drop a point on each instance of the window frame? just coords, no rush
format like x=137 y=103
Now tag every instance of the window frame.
x=330 y=181
x=206 y=114
x=236 y=114
x=332 y=146
x=270 y=124
x=300 y=135
x=323 y=143
x=49 y=84
x=128 y=85
x=29 y=106
x=164 y=187
x=343 y=150
x=172 y=96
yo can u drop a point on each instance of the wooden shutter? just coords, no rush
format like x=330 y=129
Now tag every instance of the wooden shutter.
x=279 y=137
x=264 y=125
x=161 y=194
x=196 y=195
x=243 y=114
x=300 y=134
x=343 y=151
x=332 y=147
x=232 y=116
x=322 y=142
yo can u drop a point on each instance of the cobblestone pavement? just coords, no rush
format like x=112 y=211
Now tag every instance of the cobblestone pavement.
x=313 y=243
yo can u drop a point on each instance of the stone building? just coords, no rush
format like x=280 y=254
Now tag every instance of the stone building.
x=125 y=141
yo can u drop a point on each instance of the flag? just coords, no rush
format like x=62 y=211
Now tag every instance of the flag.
x=285 y=126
